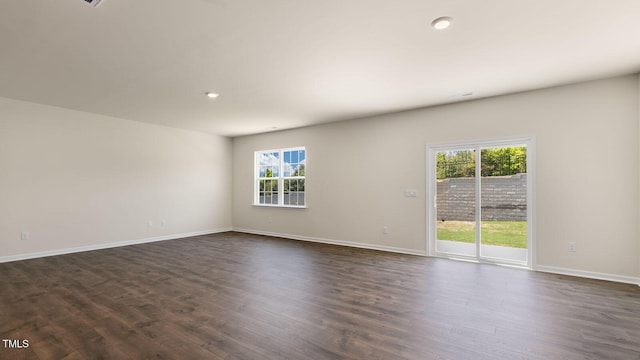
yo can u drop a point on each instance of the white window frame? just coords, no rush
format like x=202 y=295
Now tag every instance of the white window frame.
x=280 y=178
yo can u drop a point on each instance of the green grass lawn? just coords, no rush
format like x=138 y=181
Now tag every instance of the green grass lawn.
x=500 y=233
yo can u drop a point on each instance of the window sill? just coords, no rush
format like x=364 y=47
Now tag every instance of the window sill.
x=280 y=206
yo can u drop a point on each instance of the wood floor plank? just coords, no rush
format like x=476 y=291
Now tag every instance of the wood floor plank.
x=238 y=296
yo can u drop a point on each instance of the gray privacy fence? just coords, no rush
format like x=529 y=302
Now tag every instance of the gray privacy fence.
x=504 y=198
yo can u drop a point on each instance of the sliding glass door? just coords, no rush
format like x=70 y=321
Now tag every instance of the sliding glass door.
x=480 y=201
x=455 y=210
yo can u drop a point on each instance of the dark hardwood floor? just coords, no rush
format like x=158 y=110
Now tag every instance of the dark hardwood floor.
x=239 y=296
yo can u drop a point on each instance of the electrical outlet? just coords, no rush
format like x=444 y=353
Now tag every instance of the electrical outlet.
x=163 y=223
x=385 y=230
x=572 y=247
x=25 y=235
x=149 y=223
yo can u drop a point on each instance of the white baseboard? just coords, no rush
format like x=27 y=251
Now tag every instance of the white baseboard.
x=589 y=274
x=18 y=257
x=334 y=242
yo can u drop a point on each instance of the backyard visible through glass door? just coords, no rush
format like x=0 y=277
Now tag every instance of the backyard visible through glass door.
x=456 y=206
x=481 y=203
x=503 y=210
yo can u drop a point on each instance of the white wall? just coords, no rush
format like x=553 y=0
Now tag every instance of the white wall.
x=587 y=173
x=74 y=179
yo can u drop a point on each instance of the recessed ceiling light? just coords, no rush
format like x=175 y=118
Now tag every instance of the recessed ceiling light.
x=212 y=95
x=442 y=23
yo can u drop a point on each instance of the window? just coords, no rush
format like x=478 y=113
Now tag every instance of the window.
x=280 y=177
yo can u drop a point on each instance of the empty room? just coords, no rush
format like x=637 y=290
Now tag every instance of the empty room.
x=281 y=179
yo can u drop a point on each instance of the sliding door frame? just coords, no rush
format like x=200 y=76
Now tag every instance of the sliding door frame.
x=431 y=192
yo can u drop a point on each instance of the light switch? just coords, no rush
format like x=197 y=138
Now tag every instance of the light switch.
x=410 y=193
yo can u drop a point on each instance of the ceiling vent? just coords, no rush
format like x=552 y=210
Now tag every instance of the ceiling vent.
x=93 y=3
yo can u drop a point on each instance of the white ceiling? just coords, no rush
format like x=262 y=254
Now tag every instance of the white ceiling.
x=290 y=63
